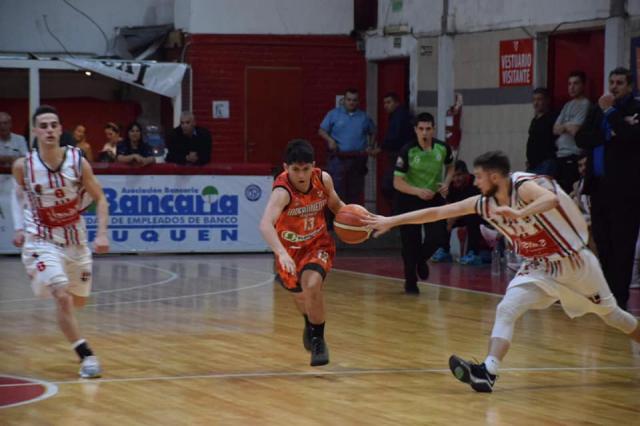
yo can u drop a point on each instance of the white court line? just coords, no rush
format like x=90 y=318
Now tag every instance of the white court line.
x=172 y=277
x=352 y=372
x=161 y=299
x=466 y=290
x=51 y=389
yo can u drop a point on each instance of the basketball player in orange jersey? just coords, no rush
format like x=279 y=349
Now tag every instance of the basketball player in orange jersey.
x=51 y=231
x=546 y=228
x=294 y=226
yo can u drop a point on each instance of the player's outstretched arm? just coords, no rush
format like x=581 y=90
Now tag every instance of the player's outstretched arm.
x=277 y=202
x=334 y=203
x=382 y=224
x=539 y=199
x=93 y=187
x=17 y=202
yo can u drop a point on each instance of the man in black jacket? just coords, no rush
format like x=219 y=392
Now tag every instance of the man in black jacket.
x=611 y=136
x=541 y=145
x=189 y=144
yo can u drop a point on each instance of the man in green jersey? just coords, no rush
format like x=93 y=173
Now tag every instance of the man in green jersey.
x=424 y=169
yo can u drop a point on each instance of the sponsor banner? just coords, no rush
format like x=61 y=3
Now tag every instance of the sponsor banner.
x=158 y=77
x=175 y=214
x=516 y=62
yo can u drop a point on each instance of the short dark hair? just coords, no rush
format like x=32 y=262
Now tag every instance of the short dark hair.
x=392 y=95
x=112 y=126
x=351 y=90
x=460 y=166
x=493 y=161
x=580 y=74
x=44 y=109
x=542 y=91
x=623 y=71
x=299 y=151
x=426 y=117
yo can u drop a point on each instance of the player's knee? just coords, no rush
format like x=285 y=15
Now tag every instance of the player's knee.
x=79 y=302
x=621 y=319
x=508 y=311
x=62 y=297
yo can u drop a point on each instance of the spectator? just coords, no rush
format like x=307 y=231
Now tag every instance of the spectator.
x=12 y=146
x=462 y=187
x=583 y=200
x=567 y=125
x=133 y=150
x=349 y=135
x=611 y=135
x=189 y=144
x=541 y=145
x=109 y=150
x=399 y=133
x=80 y=136
x=418 y=180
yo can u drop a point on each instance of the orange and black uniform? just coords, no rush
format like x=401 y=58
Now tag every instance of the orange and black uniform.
x=302 y=229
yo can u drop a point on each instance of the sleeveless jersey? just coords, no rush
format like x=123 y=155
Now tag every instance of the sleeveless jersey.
x=555 y=234
x=302 y=222
x=54 y=199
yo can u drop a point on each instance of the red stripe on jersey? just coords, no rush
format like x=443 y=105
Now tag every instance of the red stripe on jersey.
x=51 y=185
x=563 y=242
x=31 y=171
x=73 y=162
x=66 y=236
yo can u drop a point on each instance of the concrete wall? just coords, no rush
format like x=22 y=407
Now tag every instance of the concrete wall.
x=23 y=29
x=265 y=16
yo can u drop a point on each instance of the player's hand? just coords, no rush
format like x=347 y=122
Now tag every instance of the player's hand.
x=572 y=129
x=606 y=101
x=508 y=212
x=632 y=120
x=380 y=224
x=425 y=194
x=101 y=244
x=18 y=238
x=287 y=263
x=443 y=189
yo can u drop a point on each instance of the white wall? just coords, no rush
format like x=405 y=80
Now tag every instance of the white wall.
x=424 y=16
x=22 y=26
x=265 y=16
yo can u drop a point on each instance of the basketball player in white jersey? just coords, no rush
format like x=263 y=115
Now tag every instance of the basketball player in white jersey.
x=47 y=202
x=546 y=228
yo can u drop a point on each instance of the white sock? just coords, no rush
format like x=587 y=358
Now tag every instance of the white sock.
x=492 y=363
x=78 y=343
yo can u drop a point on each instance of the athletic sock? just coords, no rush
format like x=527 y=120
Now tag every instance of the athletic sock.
x=307 y=324
x=492 y=364
x=317 y=330
x=82 y=349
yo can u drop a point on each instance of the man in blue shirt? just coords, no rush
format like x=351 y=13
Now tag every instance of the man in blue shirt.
x=349 y=135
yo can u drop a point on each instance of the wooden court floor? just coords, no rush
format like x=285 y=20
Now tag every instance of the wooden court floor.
x=210 y=340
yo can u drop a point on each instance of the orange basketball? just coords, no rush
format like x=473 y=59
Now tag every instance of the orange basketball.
x=349 y=226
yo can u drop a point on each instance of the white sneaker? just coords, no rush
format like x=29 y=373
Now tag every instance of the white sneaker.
x=90 y=368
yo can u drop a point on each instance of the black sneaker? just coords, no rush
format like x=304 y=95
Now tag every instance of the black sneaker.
x=319 y=352
x=306 y=338
x=411 y=288
x=475 y=375
x=423 y=270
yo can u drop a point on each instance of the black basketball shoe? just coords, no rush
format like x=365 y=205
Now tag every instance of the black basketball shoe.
x=422 y=269
x=319 y=352
x=306 y=338
x=475 y=375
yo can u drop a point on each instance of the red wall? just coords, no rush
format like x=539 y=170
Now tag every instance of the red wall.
x=330 y=64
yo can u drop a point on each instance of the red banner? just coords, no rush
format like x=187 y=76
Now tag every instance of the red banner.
x=516 y=62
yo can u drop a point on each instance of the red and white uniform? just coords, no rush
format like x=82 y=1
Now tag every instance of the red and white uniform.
x=302 y=229
x=553 y=244
x=55 y=250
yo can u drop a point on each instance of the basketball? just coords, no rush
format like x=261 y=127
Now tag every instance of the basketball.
x=349 y=226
